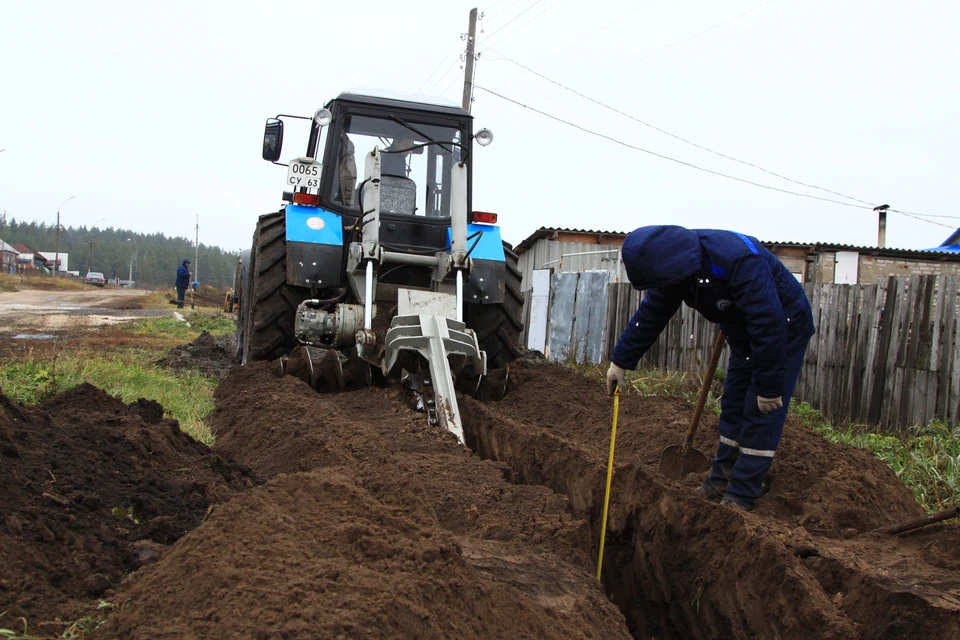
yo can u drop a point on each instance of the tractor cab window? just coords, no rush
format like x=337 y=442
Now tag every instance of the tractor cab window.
x=415 y=164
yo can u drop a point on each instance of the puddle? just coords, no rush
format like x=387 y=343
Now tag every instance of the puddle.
x=34 y=336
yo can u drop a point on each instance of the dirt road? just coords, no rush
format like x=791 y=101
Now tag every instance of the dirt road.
x=31 y=310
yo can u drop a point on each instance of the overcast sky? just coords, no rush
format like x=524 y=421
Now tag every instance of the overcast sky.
x=152 y=113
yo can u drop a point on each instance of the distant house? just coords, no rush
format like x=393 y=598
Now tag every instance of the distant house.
x=570 y=250
x=826 y=263
x=560 y=250
x=8 y=258
x=29 y=258
x=51 y=258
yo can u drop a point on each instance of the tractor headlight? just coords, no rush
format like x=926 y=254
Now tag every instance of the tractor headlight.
x=323 y=117
x=483 y=137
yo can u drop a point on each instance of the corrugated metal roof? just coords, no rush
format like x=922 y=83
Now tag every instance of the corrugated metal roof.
x=546 y=232
x=937 y=253
x=7 y=248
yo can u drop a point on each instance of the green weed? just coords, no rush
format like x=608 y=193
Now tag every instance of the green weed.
x=126 y=374
x=925 y=458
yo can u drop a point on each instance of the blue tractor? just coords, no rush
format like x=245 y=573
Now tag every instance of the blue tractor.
x=384 y=271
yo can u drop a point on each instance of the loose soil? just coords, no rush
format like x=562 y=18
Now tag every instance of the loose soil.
x=91 y=489
x=372 y=524
x=807 y=562
x=208 y=354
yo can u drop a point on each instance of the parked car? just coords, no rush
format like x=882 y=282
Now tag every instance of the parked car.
x=95 y=278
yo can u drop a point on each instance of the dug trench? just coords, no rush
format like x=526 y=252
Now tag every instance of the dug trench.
x=349 y=516
x=372 y=524
x=809 y=561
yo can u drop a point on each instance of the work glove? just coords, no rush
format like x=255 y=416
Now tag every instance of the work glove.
x=767 y=405
x=615 y=375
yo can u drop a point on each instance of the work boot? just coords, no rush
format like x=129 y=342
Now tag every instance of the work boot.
x=735 y=506
x=735 y=503
x=712 y=489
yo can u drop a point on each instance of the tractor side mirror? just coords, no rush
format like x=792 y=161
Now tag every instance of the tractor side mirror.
x=272 y=139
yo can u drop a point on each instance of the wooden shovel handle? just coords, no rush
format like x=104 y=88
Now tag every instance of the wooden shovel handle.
x=705 y=390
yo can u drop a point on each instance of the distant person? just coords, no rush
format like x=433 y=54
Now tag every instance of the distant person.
x=733 y=281
x=183 y=281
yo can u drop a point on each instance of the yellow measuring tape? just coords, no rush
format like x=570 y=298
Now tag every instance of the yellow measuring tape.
x=606 y=496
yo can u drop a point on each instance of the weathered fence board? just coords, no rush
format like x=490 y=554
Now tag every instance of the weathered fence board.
x=886 y=354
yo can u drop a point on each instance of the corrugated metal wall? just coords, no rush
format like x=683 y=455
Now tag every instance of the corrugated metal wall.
x=547 y=251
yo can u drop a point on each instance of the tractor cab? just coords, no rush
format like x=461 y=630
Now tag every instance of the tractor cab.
x=419 y=144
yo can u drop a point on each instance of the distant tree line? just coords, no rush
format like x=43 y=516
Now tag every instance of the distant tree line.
x=155 y=257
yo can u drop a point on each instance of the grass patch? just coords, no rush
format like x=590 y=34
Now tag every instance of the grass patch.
x=125 y=370
x=650 y=383
x=79 y=630
x=16 y=282
x=205 y=300
x=167 y=332
x=926 y=458
x=127 y=374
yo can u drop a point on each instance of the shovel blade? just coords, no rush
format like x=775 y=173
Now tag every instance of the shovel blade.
x=676 y=464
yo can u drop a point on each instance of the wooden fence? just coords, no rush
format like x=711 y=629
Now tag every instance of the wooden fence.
x=885 y=354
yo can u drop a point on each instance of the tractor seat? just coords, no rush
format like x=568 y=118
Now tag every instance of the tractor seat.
x=398 y=195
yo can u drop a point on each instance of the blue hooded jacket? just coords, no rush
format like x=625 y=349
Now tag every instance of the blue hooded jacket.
x=183 y=275
x=732 y=280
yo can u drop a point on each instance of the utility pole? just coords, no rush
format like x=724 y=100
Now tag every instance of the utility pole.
x=133 y=258
x=468 y=69
x=196 y=252
x=90 y=257
x=56 y=259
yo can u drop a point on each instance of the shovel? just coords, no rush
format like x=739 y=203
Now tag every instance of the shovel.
x=678 y=460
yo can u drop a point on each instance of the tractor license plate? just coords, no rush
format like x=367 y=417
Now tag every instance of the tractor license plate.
x=301 y=173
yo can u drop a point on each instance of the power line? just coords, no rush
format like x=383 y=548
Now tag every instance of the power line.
x=507 y=35
x=916 y=216
x=659 y=51
x=586 y=37
x=672 y=135
x=492 y=6
x=676 y=44
x=506 y=8
x=693 y=166
x=924 y=215
x=445 y=73
x=445 y=57
x=509 y=22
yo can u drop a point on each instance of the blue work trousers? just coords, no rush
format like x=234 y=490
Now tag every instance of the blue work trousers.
x=181 y=291
x=749 y=438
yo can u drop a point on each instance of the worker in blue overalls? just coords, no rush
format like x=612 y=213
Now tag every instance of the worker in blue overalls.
x=735 y=282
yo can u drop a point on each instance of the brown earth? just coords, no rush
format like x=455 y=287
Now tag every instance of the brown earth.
x=373 y=524
x=91 y=489
x=807 y=562
x=208 y=354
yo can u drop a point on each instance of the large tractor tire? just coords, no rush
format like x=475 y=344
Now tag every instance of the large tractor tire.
x=499 y=326
x=268 y=305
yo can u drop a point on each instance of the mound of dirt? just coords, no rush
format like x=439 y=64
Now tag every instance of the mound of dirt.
x=807 y=562
x=375 y=525
x=211 y=355
x=91 y=489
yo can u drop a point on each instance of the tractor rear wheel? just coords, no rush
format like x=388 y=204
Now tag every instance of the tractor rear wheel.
x=269 y=304
x=499 y=326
